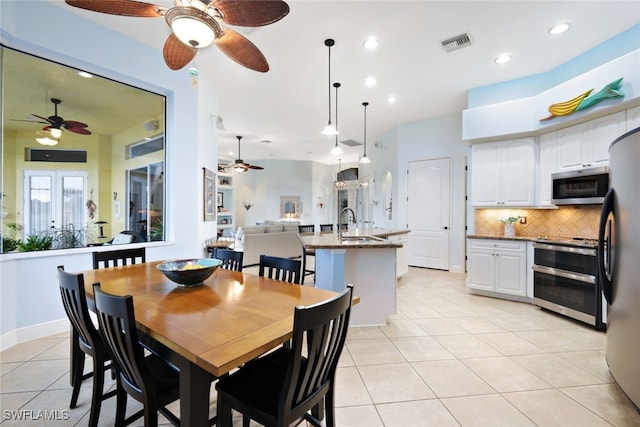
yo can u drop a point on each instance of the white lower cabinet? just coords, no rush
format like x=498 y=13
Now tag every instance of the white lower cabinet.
x=497 y=267
x=402 y=260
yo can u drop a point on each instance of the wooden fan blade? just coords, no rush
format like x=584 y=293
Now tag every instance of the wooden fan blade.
x=72 y=124
x=251 y=13
x=255 y=167
x=46 y=119
x=81 y=131
x=241 y=50
x=177 y=54
x=120 y=7
x=30 y=121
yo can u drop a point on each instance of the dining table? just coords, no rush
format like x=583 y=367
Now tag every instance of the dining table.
x=206 y=330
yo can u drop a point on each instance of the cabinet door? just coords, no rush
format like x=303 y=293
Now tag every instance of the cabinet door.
x=517 y=178
x=548 y=165
x=485 y=174
x=570 y=147
x=511 y=277
x=602 y=132
x=481 y=270
x=633 y=118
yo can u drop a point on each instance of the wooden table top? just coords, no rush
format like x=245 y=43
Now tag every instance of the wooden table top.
x=231 y=319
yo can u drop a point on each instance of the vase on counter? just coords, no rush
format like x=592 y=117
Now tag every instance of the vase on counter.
x=509 y=230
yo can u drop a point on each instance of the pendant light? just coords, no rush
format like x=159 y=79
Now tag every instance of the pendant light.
x=339 y=183
x=364 y=158
x=336 y=148
x=330 y=129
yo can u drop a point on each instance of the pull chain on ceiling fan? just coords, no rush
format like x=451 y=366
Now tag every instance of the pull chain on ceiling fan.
x=197 y=23
x=239 y=165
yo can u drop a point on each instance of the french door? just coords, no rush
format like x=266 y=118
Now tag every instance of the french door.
x=54 y=199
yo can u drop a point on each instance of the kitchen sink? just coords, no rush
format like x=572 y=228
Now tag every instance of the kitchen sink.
x=362 y=239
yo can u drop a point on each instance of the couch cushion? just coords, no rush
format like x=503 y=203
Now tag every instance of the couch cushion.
x=273 y=228
x=256 y=229
x=292 y=227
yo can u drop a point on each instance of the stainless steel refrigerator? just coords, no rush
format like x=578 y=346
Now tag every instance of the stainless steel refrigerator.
x=619 y=262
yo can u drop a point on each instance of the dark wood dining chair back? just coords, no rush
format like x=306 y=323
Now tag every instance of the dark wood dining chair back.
x=326 y=227
x=149 y=380
x=88 y=340
x=231 y=260
x=118 y=257
x=285 y=269
x=283 y=386
x=306 y=228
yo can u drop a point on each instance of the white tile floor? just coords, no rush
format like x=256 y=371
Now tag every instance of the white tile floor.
x=446 y=358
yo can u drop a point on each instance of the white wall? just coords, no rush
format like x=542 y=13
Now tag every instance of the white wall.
x=29 y=296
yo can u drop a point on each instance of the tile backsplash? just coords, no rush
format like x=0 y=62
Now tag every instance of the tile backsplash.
x=567 y=221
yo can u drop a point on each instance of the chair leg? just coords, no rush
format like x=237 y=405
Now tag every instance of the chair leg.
x=330 y=410
x=223 y=413
x=98 y=388
x=304 y=267
x=76 y=360
x=121 y=403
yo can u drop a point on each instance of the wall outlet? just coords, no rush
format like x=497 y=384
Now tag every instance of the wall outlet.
x=523 y=220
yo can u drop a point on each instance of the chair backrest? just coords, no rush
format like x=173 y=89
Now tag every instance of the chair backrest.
x=326 y=227
x=285 y=269
x=75 y=305
x=306 y=228
x=118 y=327
x=118 y=257
x=231 y=260
x=319 y=334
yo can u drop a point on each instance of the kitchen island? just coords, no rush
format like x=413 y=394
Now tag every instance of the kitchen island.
x=364 y=258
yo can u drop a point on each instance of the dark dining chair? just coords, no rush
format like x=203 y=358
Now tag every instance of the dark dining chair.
x=306 y=228
x=326 y=227
x=231 y=260
x=285 y=269
x=88 y=341
x=148 y=379
x=118 y=257
x=283 y=386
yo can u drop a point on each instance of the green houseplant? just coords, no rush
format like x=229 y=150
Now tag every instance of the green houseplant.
x=36 y=242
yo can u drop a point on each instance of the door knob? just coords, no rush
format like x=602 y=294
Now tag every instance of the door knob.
x=445 y=227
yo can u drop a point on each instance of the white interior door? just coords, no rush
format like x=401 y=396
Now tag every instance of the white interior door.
x=428 y=209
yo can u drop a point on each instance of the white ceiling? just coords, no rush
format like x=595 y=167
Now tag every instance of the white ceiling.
x=289 y=104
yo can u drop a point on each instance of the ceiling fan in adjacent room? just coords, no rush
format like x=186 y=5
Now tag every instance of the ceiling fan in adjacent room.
x=56 y=124
x=239 y=165
x=197 y=23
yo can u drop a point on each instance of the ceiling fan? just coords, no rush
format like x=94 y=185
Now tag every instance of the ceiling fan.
x=56 y=124
x=197 y=23
x=239 y=165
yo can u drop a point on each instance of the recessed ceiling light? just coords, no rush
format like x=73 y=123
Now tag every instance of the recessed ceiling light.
x=370 y=43
x=370 y=81
x=230 y=153
x=84 y=74
x=503 y=59
x=392 y=99
x=559 y=29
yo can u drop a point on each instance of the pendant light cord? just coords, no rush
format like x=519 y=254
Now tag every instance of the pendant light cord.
x=329 y=43
x=365 y=128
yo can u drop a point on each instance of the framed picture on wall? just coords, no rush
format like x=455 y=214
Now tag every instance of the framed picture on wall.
x=220 y=199
x=209 y=192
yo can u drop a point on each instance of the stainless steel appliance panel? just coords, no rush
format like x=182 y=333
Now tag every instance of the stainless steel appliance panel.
x=619 y=262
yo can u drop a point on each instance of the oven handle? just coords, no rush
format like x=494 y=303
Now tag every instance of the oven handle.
x=606 y=246
x=566 y=274
x=570 y=249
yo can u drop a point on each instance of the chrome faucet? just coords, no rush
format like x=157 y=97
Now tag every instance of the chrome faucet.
x=353 y=214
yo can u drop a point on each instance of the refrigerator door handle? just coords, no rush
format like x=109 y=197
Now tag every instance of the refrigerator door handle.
x=606 y=250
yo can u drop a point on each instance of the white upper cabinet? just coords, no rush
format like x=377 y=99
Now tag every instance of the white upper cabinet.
x=502 y=173
x=548 y=165
x=587 y=144
x=633 y=118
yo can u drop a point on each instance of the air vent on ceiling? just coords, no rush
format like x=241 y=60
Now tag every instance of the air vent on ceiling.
x=457 y=42
x=351 y=143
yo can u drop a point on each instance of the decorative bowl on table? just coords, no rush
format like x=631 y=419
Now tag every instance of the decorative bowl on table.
x=189 y=272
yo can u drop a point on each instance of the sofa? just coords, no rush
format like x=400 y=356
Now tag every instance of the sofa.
x=275 y=239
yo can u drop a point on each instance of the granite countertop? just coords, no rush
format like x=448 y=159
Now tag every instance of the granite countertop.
x=371 y=239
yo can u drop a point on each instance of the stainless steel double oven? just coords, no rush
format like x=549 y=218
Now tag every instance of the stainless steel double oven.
x=565 y=279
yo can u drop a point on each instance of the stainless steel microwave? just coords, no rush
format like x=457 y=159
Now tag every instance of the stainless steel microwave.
x=586 y=186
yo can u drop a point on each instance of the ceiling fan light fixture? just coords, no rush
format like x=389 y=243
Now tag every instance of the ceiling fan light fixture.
x=239 y=168
x=49 y=142
x=55 y=132
x=192 y=26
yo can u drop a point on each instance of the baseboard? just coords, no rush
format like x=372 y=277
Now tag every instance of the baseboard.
x=33 y=332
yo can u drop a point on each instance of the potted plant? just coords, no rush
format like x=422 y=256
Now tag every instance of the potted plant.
x=35 y=242
x=510 y=225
